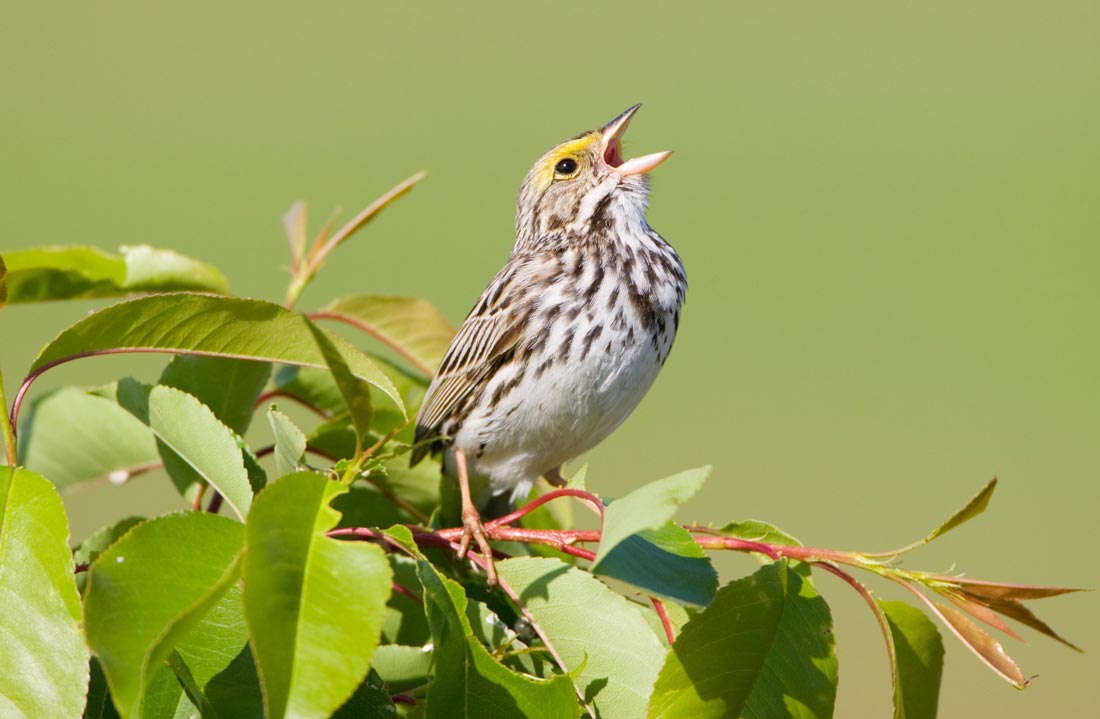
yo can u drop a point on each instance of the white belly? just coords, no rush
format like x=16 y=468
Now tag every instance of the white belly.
x=565 y=412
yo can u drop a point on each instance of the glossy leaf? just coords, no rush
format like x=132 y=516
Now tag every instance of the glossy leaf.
x=310 y=386
x=99 y=704
x=973 y=508
x=469 y=683
x=98 y=542
x=73 y=436
x=763 y=648
x=314 y=605
x=916 y=660
x=149 y=588
x=214 y=660
x=755 y=530
x=66 y=273
x=666 y=562
x=189 y=430
x=186 y=323
x=403 y=667
x=229 y=387
x=371 y=700
x=648 y=507
x=355 y=391
x=43 y=660
x=611 y=654
x=290 y=443
x=412 y=327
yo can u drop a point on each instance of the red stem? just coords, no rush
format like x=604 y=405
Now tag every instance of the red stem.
x=659 y=606
x=592 y=500
x=407 y=592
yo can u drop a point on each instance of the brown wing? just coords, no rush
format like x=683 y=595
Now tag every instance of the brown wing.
x=488 y=336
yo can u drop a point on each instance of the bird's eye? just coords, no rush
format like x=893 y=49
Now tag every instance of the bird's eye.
x=566 y=167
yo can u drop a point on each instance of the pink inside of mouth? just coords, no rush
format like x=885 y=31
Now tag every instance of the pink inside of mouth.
x=613 y=154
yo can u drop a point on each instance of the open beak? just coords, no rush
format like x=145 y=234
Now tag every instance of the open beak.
x=612 y=147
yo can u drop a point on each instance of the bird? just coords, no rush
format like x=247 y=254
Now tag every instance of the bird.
x=568 y=336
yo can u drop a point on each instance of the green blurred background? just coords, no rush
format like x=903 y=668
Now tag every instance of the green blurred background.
x=888 y=212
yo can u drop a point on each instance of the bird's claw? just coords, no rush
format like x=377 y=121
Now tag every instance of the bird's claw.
x=473 y=529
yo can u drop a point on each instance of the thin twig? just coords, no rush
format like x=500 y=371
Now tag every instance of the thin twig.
x=196 y=504
x=405 y=591
x=7 y=428
x=666 y=622
x=880 y=616
x=590 y=499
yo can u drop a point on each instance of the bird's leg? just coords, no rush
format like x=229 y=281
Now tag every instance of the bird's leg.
x=554 y=478
x=471 y=522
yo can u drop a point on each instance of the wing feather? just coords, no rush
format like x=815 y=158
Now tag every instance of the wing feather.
x=490 y=333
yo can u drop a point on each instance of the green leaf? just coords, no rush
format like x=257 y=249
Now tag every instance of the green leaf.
x=402 y=667
x=333 y=438
x=99 y=541
x=149 y=588
x=311 y=386
x=417 y=486
x=165 y=698
x=186 y=323
x=151 y=270
x=604 y=642
x=763 y=648
x=290 y=443
x=314 y=605
x=973 y=508
x=66 y=273
x=188 y=428
x=666 y=562
x=648 y=507
x=99 y=704
x=73 y=436
x=371 y=700
x=43 y=661
x=355 y=391
x=229 y=387
x=469 y=683
x=754 y=530
x=214 y=657
x=413 y=327
x=405 y=622
x=916 y=660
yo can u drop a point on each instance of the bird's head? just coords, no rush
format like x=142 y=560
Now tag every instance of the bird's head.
x=584 y=184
